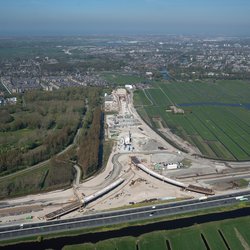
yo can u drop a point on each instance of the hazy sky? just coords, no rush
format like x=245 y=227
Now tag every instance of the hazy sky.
x=76 y=17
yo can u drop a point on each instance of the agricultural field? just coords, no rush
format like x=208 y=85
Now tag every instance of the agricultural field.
x=121 y=79
x=221 y=235
x=216 y=115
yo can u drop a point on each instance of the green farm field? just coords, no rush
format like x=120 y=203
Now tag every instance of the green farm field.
x=221 y=235
x=216 y=115
x=121 y=79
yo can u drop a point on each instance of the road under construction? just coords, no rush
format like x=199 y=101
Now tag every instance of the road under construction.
x=192 y=188
x=83 y=202
x=136 y=172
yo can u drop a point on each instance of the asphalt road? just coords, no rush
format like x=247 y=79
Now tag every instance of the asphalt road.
x=119 y=216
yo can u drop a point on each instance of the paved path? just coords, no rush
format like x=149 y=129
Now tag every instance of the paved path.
x=78 y=174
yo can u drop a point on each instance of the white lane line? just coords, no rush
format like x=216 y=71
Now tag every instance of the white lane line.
x=117 y=216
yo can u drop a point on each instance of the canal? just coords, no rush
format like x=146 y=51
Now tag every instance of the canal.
x=135 y=231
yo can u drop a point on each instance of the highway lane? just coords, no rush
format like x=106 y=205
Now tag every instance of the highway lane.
x=132 y=210
x=119 y=216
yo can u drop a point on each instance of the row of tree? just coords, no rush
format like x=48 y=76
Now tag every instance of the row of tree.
x=31 y=136
x=89 y=143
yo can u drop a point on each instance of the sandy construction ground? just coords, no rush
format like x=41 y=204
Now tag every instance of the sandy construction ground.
x=138 y=186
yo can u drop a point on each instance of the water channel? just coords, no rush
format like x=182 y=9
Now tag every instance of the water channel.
x=135 y=231
x=165 y=74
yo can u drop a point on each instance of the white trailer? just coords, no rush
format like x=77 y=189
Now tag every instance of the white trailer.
x=171 y=166
x=202 y=198
x=239 y=197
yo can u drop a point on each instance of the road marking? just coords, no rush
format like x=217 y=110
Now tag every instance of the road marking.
x=119 y=215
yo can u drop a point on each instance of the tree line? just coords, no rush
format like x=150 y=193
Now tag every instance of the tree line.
x=42 y=124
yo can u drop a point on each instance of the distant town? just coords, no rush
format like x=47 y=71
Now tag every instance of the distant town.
x=48 y=63
x=101 y=132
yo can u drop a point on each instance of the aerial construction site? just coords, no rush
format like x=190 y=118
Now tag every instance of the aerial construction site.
x=142 y=169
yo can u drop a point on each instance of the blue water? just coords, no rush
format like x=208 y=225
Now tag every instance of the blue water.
x=165 y=74
x=195 y=104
